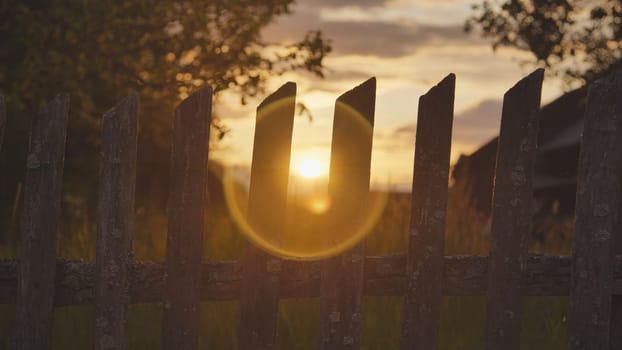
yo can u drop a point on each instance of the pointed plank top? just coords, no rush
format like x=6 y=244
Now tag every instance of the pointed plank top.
x=533 y=79
x=192 y=104
x=368 y=87
x=286 y=90
x=273 y=130
x=447 y=83
x=362 y=98
x=130 y=102
x=61 y=100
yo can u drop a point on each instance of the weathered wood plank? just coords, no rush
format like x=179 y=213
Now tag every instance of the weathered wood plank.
x=511 y=213
x=426 y=246
x=597 y=216
x=384 y=276
x=2 y=120
x=615 y=333
x=187 y=204
x=114 y=225
x=42 y=197
x=266 y=204
x=341 y=285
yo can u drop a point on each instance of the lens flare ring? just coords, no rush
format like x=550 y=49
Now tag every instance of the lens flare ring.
x=315 y=225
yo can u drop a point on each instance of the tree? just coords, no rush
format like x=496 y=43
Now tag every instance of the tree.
x=98 y=51
x=579 y=40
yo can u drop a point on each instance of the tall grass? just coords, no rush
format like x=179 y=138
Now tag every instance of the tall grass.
x=462 y=318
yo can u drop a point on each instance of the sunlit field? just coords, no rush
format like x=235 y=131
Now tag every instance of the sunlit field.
x=462 y=318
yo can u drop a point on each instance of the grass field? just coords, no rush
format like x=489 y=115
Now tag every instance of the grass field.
x=462 y=318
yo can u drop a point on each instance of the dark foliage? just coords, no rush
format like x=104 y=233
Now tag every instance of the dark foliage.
x=99 y=51
x=577 y=39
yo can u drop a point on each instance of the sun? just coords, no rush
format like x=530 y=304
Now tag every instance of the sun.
x=309 y=168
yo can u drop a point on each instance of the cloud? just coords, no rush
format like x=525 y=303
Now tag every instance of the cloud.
x=349 y=75
x=373 y=3
x=473 y=126
x=479 y=123
x=432 y=13
x=381 y=38
x=388 y=39
x=430 y=2
x=342 y=3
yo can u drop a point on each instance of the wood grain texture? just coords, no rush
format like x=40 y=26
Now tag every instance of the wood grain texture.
x=41 y=211
x=426 y=246
x=511 y=213
x=597 y=217
x=117 y=179
x=383 y=276
x=266 y=204
x=187 y=204
x=2 y=120
x=615 y=336
x=341 y=286
x=615 y=332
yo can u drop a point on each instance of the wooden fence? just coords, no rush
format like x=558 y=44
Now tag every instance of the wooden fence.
x=592 y=276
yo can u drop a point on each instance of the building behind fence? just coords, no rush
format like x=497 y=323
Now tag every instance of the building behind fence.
x=592 y=276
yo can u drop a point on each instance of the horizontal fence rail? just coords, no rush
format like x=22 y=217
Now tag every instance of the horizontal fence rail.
x=545 y=275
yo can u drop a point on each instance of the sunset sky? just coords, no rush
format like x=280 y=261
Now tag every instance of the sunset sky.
x=409 y=45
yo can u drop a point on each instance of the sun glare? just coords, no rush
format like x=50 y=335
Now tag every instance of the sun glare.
x=309 y=168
